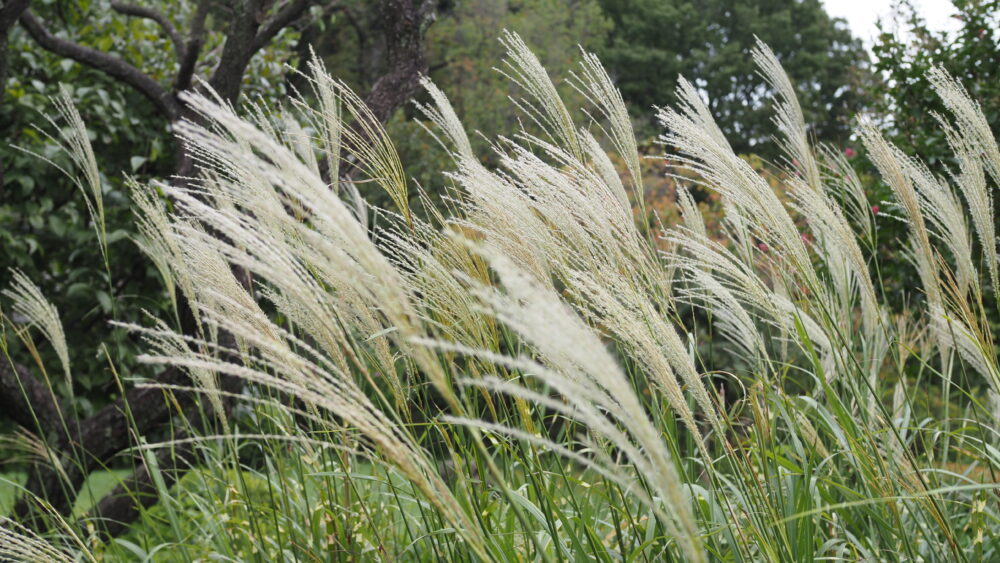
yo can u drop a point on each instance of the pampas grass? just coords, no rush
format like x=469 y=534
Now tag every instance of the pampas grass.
x=529 y=374
x=28 y=301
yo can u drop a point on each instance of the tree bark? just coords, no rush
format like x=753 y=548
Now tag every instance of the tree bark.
x=404 y=23
x=24 y=399
x=9 y=14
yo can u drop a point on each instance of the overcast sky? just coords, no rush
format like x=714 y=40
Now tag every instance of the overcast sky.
x=861 y=15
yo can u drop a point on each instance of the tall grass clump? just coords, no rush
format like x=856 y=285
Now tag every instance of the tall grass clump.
x=531 y=372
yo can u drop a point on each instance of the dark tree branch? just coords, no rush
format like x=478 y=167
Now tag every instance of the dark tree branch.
x=10 y=11
x=438 y=66
x=192 y=50
x=238 y=49
x=247 y=34
x=287 y=15
x=159 y=17
x=404 y=23
x=109 y=64
x=25 y=399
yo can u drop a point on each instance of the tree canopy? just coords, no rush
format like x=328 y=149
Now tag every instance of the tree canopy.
x=655 y=41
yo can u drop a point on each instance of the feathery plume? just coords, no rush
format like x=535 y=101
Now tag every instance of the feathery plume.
x=18 y=543
x=788 y=117
x=597 y=87
x=545 y=106
x=28 y=301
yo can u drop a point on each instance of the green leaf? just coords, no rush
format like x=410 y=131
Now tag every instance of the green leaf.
x=104 y=300
x=57 y=225
x=77 y=289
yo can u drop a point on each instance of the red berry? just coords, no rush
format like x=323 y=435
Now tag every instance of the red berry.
x=762 y=246
x=875 y=210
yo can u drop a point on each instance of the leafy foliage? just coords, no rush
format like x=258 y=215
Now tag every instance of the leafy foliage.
x=905 y=55
x=653 y=42
x=45 y=229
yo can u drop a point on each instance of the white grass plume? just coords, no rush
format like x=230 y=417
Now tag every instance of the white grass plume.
x=155 y=239
x=333 y=242
x=690 y=213
x=582 y=366
x=946 y=219
x=889 y=161
x=969 y=115
x=74 y=140
x=76 y=143
x=18 y=543
x=365 y=138
x=545 y=106
x=317 y=382
x=842 y=182
x=972 y=183
x=28 y=301
x=968 y=343
x=653 y=342
x=840 y=250
x=703 y=148
x=788 y=117
x=596 y=86
x=443 y=116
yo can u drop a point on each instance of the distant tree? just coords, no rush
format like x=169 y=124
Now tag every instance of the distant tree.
x=462 y=50
x=904 y=55
x=708 y=41
x=905 y=104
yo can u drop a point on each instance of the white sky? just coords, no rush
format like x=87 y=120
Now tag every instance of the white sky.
x=861 y=15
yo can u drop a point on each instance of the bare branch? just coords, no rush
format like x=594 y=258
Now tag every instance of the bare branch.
x=159 y=17
x=285 y=17
x=196 y=38
x=109 y=64
x=9 y=14
x=247 y=34
x=237 y=51
x=10 y=11
x=25 y=399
